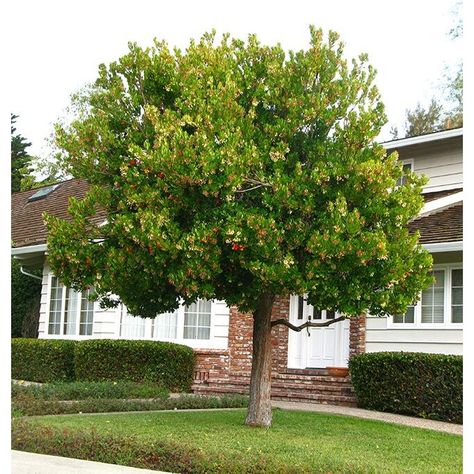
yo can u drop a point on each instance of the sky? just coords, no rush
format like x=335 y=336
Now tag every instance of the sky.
x=59 y=45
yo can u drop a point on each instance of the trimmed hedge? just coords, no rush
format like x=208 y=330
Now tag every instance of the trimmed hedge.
x=43 y=360
x=96 y=360
x=26 y=404
x=409 y=383
x=165 y=363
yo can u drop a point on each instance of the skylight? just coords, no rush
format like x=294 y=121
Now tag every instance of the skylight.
x=43 y=192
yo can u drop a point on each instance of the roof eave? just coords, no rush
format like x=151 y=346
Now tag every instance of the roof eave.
x=430 y=137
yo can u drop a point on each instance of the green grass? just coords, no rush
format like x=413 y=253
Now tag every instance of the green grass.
x=218 y=441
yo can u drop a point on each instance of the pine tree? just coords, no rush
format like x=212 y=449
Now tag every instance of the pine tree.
x=21 y=160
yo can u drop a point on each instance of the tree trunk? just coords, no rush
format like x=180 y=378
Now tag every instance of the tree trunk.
x=260 y=411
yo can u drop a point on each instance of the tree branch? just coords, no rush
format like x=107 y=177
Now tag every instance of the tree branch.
x=307 y=324
x=257 y=184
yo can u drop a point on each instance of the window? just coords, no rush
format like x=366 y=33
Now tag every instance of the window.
x=407 y=318
x=456 y=295
x=440 y=304
x=87 y=314
x=55 y=307
x=43 y=192
x=432 y=300
x=197 y=320
x=165 y=326
x=70 y=313
x=132 y=327
x=406 y=166
x=187 y=323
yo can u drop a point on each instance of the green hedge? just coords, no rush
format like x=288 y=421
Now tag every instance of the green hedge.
x=43 y=360
x=419 y=384
x=165 y=363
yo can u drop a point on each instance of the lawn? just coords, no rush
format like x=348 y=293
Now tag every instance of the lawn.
x=218 y=441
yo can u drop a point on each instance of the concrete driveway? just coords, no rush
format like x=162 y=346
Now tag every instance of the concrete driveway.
x=30 y=463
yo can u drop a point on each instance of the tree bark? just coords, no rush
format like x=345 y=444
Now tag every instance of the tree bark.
x=260 y=410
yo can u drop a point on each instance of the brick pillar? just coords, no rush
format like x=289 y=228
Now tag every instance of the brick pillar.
x=357 y=335
x=240 y=342
x=240 y=339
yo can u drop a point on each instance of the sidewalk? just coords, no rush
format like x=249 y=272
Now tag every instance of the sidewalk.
x=30 y=463
x=372 y=415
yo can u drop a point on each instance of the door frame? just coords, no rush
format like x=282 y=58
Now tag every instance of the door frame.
x=299 y=342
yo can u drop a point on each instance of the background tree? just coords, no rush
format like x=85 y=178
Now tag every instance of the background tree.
x=420 y=120
x=20 y=159
x=238 y=172
x=446 y=111
x=454 y=81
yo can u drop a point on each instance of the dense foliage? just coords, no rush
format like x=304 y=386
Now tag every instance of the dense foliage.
x=162 y=363
x=20 y=159
x=25 y=403
x=171 y=365
x=43 y=360
x=234 y=170
x=25 y=301
x=89 y=390
x=420 y=384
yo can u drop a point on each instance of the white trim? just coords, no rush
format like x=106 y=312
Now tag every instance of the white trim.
x=29 y=249
x=430 y=137
x=444 y=247
x=447 y=324
x=441 y=203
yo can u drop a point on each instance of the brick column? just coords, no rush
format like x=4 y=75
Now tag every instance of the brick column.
x=357 y=335
x=240 y=339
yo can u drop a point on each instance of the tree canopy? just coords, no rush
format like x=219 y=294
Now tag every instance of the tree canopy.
x=20 y=159
x=233 y=170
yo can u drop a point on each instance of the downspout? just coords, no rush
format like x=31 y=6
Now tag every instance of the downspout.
x=30 y=274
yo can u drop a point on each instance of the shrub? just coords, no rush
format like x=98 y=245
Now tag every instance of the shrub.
x=25 y=302
x=91 y=390
x=43 y=360
x=420 y=384
x=26 y=404
x=163 y=363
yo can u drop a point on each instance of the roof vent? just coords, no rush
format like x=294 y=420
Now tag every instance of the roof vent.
x=43 y=192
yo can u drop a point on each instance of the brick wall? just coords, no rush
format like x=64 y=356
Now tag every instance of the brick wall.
x=357 y=335
x=237 y=359
x=211 y=364
x=228 y=371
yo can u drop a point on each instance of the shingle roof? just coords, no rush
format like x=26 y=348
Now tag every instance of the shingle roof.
x=439 y=194
x=442 y=226
x=26 y=217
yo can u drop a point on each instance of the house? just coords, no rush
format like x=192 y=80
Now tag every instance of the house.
x=221 y=337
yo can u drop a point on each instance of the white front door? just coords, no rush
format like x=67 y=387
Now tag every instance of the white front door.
x=317 y=347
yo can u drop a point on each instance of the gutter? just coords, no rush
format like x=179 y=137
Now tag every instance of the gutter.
x=440 y=204
x=30 y=274
x=444 y=247
x=429 y=137
x=29 y=249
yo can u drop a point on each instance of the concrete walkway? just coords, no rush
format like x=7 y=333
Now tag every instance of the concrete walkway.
x=372 y=415
x=30 y=463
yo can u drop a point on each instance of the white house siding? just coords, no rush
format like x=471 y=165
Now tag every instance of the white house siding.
x=440 y=161
x=107 y=322
x=382 y=336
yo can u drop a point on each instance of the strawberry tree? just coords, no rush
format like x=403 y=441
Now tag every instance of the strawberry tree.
x=238 y=171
